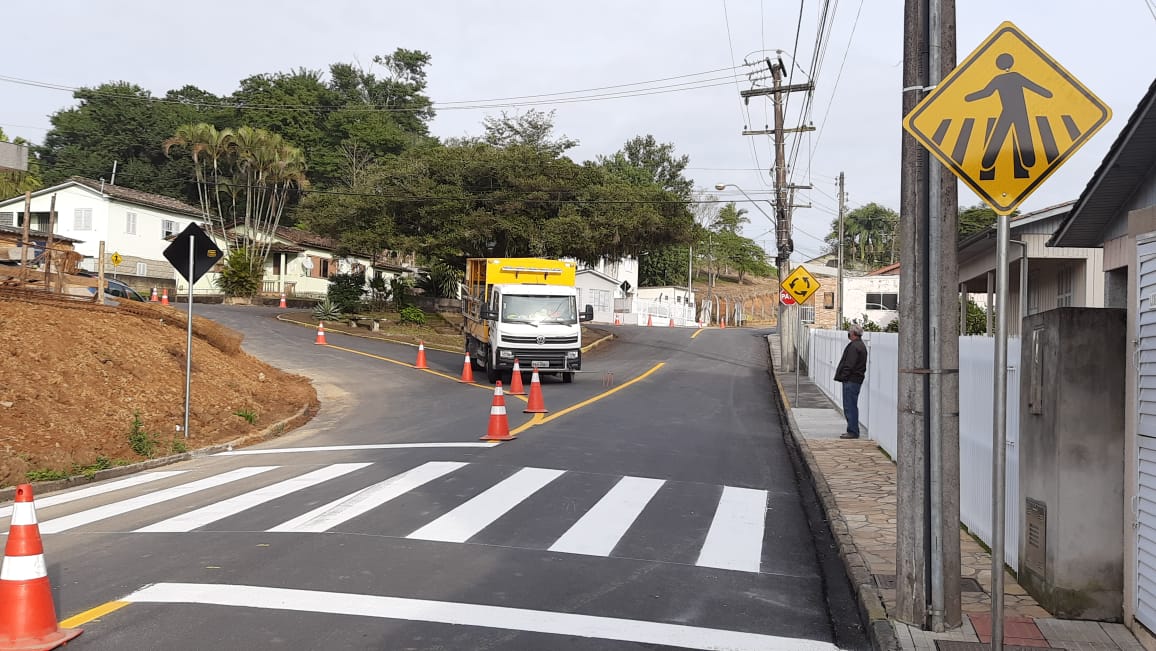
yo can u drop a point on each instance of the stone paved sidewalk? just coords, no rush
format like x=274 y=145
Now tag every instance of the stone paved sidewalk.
x=856 y=481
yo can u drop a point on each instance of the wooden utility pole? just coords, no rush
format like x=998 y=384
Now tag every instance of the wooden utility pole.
x=24 y=243
x=48 y=244
x=839 y=287
x=927 y=550
x=98 y=297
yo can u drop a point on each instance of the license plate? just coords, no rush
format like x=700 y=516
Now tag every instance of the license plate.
x=539 y=364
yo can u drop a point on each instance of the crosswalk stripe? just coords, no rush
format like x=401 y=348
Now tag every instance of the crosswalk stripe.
x=462 y=523
x=324 y=518
x=99 y=489
x=598 y=531
x=220 y=510
x=355 y=448
x=735 y=539
x=118 y=508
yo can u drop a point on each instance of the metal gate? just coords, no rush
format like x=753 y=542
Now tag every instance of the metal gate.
x=1145 y=365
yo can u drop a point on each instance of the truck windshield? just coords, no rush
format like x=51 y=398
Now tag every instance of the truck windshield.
x=539 y=309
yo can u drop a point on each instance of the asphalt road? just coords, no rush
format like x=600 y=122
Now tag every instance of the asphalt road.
x=654 y=507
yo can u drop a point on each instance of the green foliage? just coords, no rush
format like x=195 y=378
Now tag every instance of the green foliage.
x=892 y=326
x=248 y=415
x=977 y=219
x=178 y=446
x=663 y=267
x=13 y=182
x=533 y=129
x=870 y=236
x=399 y=291
x=141 y=441
x=411 y=314
x=441 y=280
x=45 y=475
x=644 y=161
x=976 y=319
x=345 y=291
x=240 y=276
x=326 y=310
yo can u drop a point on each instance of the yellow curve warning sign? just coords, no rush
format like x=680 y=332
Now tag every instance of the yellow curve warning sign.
x=1006 y=118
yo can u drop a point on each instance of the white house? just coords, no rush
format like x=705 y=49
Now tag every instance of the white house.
x=599 y=290
x=129 y=222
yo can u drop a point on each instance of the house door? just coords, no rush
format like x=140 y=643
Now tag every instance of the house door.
x=1145 y=357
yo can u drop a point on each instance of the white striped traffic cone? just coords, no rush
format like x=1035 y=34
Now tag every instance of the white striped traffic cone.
x=499 y=429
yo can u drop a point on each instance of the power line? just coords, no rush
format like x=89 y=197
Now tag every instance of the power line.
x=835 y=87
x=744 y=110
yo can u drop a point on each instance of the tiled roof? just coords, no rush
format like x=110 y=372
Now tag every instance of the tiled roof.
x=36 y=235
x=298 y=236
x=138 y=197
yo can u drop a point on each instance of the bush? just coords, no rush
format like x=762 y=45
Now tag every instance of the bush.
x=345 y=291
x=411 y=314
x=399 y=289
x=241 y=275
x=441 y=281
x=326 y=311
x=141 y=442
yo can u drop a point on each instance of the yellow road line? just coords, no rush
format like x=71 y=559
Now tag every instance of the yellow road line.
x=431 y=371
x=93 y=613
x=527 y=425
x=361 y=336
x=697 y=333
x=598 y=397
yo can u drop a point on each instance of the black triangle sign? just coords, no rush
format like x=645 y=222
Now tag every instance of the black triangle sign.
x=205 y=253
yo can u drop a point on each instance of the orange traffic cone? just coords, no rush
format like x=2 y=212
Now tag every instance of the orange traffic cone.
x=648 y=321
x=672 y=323
x=420 y=355
x=618 y=319
x=27 y=616
x=153 y=298
x=499 y=429
x=282 y=305
x=165 y=296
x=516 y=388
x=467 y=370
x=535 y=405
x=320 y=335
x=722 y=323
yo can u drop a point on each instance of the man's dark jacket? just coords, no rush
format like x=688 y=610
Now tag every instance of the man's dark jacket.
x=853 y=365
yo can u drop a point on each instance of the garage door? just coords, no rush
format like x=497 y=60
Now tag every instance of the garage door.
x=1146 y=430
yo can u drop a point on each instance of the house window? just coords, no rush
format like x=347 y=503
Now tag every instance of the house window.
x=142 y=269
x=1065 y=287
x=828 y=300
x=7 y=219
x=82 y=219
x=168 y=228
x=882 y=301
x=324 y=267
x=807 y=313
x=130 y=223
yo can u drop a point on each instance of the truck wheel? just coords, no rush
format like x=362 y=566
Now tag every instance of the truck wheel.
x=567 y=378
x=492 y=374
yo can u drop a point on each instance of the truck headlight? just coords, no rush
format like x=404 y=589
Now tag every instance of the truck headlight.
x=572 y=354
x=506 y=354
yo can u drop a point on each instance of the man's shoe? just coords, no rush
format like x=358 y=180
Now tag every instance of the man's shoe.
x=848 y=435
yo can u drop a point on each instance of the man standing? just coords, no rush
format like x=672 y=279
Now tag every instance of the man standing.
x=851 y=371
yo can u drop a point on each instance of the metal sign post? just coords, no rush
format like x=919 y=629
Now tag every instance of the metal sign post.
x=999 y=436
x=189 y=340
x=798 y=341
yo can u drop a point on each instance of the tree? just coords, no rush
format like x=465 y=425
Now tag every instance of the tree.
x=664 y=267
x=533 y=129
x=870 y=236
x=644 y=159
x=975 y=219
x=249 y=176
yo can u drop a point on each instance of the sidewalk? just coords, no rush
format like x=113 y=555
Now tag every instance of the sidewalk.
x=855 y=481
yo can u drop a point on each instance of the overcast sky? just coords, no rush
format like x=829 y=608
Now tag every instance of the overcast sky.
x=484 y=50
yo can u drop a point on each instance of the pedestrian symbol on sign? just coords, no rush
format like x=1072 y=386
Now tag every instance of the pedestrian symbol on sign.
x=1006 y=118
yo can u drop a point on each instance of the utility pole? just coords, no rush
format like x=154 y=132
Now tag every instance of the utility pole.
x=927 y=550
x=783 y=204
x=839 y=289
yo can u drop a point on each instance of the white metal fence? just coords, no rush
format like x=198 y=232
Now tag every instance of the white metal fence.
x=878 y=413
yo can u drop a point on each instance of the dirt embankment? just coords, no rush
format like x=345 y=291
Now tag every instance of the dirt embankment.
x=74 y=378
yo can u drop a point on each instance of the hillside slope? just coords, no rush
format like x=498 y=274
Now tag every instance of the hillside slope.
x=74 y=377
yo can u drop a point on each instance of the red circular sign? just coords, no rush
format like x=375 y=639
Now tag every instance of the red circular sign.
x=785 y=297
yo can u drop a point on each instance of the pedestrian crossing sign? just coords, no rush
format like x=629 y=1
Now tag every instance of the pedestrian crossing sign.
x=800 y=284
x=1006 y=118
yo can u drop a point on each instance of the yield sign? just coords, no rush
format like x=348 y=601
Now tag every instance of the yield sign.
x=785 y=297
x=800 y=285
x=1006 y=118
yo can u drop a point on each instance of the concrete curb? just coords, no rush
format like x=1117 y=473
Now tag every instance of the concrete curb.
x=273 y=431
x=871 y=609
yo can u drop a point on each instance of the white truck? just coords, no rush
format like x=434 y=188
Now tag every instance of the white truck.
x=524 y=309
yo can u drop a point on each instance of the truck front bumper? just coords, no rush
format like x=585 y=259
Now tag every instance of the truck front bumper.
x=545 y=360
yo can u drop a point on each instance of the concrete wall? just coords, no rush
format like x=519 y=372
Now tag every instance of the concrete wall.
x=1072 y=460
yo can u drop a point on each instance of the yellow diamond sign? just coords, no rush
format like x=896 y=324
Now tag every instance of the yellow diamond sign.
x=116 y=259
x=1006 y=118
x=800 y=285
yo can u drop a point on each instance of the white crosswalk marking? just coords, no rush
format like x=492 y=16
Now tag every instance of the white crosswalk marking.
x=462 y=523
x=330 y=515
x=597 y=532
x=118 y=508
x=735 y=539
x=213 y=512
x=99 y=489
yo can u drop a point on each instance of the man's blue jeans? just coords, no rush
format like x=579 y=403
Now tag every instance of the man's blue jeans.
x=851 y=406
